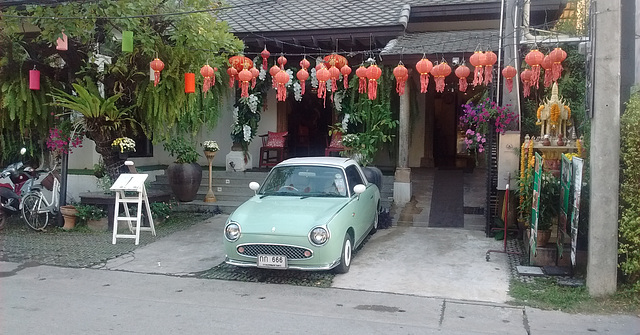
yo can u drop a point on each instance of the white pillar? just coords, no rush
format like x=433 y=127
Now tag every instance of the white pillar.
x=402 y=182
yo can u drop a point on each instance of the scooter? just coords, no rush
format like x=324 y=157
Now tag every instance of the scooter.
x=20 y=181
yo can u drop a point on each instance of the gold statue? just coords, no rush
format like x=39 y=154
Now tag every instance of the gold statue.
x=554 y=115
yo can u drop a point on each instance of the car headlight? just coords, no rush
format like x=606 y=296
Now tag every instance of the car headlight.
x=319 y=236
x=232 y=231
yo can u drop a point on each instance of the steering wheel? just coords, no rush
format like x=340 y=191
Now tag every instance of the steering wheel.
x=288 y=188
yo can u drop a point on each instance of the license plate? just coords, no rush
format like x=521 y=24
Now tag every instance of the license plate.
x=272 y=261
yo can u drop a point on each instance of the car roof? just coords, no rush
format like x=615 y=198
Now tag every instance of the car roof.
x=321 y=160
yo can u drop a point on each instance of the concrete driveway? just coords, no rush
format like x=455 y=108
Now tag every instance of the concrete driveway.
x=431 y=262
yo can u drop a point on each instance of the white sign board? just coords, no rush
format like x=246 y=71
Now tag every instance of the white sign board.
x=508 y=159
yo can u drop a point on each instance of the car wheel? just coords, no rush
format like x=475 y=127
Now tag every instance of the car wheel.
x=345 y=258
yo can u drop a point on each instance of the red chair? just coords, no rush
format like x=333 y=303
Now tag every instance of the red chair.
x=335 y=145
x=274 y=148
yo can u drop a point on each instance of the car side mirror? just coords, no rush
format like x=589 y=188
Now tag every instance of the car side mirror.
x=358 y=189
x=254 y=186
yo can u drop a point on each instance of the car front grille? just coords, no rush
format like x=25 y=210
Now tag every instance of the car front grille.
x=253 y=250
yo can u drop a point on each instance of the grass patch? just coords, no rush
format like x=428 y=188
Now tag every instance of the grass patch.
x=545 y=293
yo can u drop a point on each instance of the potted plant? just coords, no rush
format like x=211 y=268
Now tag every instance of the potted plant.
x=123 y=146
x=184 y=174
x=549 y=207
x=69 y=214
x=94 y=216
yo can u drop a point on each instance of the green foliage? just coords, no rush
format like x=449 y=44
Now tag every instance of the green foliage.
x=549 y=201
x=89 y=212
x=161 y=210
x=629 y=228
x=183 y=150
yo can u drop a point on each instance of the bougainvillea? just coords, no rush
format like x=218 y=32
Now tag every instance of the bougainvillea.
x=477 y=118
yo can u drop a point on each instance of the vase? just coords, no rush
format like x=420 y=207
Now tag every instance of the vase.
x=184 y=180
x=69 y=214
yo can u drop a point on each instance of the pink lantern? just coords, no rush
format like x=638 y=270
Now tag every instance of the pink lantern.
x=282 y=61
x=265 y=57
x=244 y=77
x=547 y=65
x=361 y=73
x=323 y=75
x=373 y=73
x=273 y=71
x=62 y=43
x=477 y=60
x=439 y=73
x=302 y=76
x=34 y=79
x=156 y=65
x=346 y=71
x=304 y=63
x=282 y=78
x=209 y=75
x=462 y=72
x=534 y=58
x=525 y=77
x=233 y=73
x=255 y=73
x=557 y=56
x=402 y=74
x=490 y=59
x=508 y=73
x=424 y=67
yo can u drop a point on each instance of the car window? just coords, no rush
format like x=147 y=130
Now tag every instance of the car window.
x=353 y=177
x=306 y=181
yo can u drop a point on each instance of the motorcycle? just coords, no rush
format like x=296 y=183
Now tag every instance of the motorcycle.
x=20 y=181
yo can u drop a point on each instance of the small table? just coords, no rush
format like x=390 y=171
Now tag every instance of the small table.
x=108 y=200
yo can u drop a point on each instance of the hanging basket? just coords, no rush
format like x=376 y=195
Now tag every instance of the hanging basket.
x=47 y=182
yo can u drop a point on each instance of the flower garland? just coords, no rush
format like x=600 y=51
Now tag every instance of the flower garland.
x=554 y=114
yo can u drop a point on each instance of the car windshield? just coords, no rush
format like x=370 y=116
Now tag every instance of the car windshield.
x=305 y=181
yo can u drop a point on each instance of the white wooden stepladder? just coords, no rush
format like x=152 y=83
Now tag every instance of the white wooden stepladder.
x=130 y=182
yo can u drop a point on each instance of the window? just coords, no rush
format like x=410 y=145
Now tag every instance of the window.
x=353 y=177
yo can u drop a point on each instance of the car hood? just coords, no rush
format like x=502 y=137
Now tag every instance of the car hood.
x=289 y=215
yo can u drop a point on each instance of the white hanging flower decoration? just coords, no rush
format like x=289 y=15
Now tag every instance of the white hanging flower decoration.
x=345 y=121
x=337 y=100
x=235 y=115
x=297 y=91
x=247 y=132
x=252 y=102
x=314 y=79
x=263 y=74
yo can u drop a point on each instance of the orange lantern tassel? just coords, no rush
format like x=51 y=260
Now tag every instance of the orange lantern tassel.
x=244 y=78
x=525 y=77
x=557 y=56
x=323 y=75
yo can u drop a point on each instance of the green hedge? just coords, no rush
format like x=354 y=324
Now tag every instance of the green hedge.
x=629 y=246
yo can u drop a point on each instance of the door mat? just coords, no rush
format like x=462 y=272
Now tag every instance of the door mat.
x=447 y=208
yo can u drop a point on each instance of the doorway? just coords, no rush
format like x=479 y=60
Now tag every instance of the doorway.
x=309 y=121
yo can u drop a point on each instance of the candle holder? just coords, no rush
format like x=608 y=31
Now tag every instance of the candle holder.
x=210 y=197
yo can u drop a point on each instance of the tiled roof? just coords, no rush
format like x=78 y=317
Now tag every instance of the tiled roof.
x=295 y=15
x=439 y=42
x=446 y=2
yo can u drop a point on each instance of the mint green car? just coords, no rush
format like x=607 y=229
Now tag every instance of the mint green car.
x=310 y=214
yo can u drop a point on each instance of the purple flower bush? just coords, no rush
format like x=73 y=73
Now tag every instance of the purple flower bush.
x=476 y=119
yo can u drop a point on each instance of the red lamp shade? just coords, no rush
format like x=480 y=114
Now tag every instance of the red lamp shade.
x=323 y=75
x=525 y=77
x=547 y=65
x=490 y=59
x=255 y=73
x=361 y=73
x=282 y=78
x=240 y=62
x=557 y=56
x=462 y=72
x=402 y=74
x=302 y=76
x=373 y=73
x=335 y=75
x=346 y=71
x=477 y=60
x=265 y=57
x=508 y=73
x=440 y=72
x=233 y=73
x=304 y=63
x=273 y=71
x=424 y=67
x=189 y=82
x=244 y=77
x=209 y=75
x=156 y=65
x=534 y=58
x=34 y=80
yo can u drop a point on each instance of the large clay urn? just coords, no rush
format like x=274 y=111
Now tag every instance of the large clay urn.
x=184 y=180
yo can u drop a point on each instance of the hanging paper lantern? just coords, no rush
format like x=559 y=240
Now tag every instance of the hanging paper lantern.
x=127 y=41
x=424 y=67
x=304 y=63
x=273 y=71
x=244 y=77
x=346 y=71
x=233 y=73
x=335 y=75
x=322 y=75
x=255 y=73
x=373 y=73
x=282 y=60
x=525 y=77
x=208 y=73
x=34 y=79
x=335 y=60
x=490 y=59
x=402 y=74
x=547 y=65
x=189 y=82
x=265 y=57
x=462 y=72
x=477 y=60
x=534 y=59
x=282 y=78
x=157 y=65
x=62 y=43
x=508 y=73
x=302 y=76
x=557 y=56
x=361 y=73
x=440 y=72
x=240 y=62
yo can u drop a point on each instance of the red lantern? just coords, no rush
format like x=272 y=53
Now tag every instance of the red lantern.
x=547 y=65
x=477 y=60
x=282 y=78
x=402 y=74
x=490 y=59
x=323 y=75
x=534 y=59
x=265 y=57
x=156 y=65
x=346 y=71
x=508 y=73
x=440 y=72
x=244 y=77
x=361 y=73
x=335 y=75
x=335 y=60
x=282 y=60
x=34 y=79
x=233 y=73
x=302 y=76
x=189 y=83
x=525 y=77
x=209 y=75
x=273 y=71
x=304 y=63
x=462 y=72
x=373 y=73
x=557 y=56
x=240 y=63
x=255 y=73
x=424 y=67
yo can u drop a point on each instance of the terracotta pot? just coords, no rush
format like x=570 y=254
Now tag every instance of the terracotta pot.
x=184 y=180
x=543 y=237
x=69 y=213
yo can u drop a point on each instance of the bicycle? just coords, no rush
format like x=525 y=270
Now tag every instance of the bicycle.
x=36 y=207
